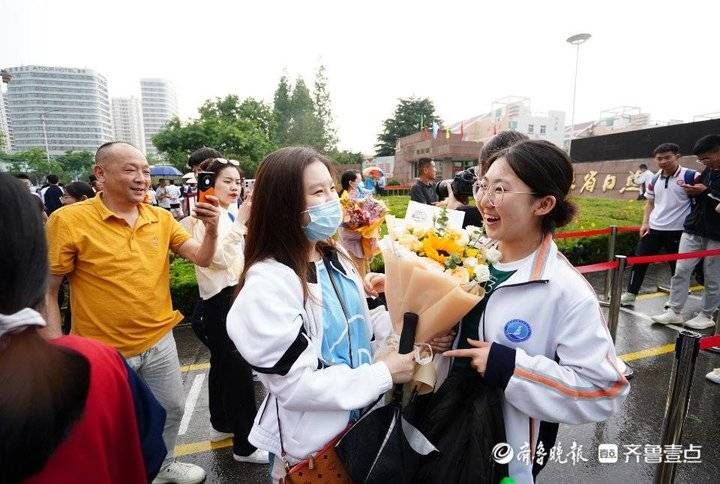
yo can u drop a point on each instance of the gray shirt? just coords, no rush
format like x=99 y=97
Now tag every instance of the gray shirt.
x=423 y=193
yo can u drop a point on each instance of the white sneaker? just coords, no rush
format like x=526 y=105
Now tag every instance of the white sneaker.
x=217 y=436
x=627 y=298
x=714 y=376
x=701 y=321
x=257 y=457
x=668 y=317
x=180 y=473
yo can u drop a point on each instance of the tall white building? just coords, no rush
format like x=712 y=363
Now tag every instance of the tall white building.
x=65 y=108
x=128 y=122
x=5 y=144
x=159 y=105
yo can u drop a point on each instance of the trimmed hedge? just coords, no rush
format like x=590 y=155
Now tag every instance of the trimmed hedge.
x=183 y=286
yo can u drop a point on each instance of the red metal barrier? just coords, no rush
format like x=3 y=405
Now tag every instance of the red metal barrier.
x=709 y=342
x=654 y=259
x=594 y=232
x=597 y=267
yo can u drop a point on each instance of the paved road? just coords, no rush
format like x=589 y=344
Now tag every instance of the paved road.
x=636 y=427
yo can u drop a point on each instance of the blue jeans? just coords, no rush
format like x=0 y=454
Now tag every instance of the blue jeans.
x=159 y=368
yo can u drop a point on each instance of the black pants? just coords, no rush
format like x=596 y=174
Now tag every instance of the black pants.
x=654 y=242
x=230 y=382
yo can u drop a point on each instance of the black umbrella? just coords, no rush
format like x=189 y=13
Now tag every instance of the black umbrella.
x=383 y=446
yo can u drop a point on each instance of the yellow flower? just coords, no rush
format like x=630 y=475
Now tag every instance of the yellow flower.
x=440 y=248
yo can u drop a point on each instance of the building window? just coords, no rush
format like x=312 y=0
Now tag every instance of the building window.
x=542 y=129
x=531 y=128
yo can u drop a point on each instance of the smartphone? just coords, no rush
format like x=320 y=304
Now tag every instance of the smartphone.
x=206 y=185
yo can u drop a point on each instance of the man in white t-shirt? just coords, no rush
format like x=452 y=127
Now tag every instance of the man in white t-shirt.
x=643 y=179
x=175 y=196
x=162 y=196
x=667 y=207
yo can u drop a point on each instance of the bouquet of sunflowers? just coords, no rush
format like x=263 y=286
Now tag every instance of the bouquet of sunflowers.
x=437 y=272
x=364 y=216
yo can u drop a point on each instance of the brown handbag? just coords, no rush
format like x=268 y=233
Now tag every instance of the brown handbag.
x=325 y=467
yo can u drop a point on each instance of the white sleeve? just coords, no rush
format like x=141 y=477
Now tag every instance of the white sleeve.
x=266 y=324
x=584 y=385
x=229 y=251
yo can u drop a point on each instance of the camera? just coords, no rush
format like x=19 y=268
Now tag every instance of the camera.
x=462 y=185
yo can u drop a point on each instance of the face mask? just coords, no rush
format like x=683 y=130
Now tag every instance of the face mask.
x=324 y=220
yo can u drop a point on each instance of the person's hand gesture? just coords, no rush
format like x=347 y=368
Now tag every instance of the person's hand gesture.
x=440 y=344
x=208 y=213
x=694 y=190
x=374 y=283
x=478 y=354
x=244 y=211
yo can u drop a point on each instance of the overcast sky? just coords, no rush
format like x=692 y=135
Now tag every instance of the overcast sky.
x=662 y=56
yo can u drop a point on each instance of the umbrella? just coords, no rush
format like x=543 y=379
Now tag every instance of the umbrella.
x=189 y=175
x=164 y=170
x=371 y=169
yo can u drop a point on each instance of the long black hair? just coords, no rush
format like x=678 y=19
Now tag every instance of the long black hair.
x=44 y=386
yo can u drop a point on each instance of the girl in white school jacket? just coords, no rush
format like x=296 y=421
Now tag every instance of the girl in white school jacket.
x=300 y=318
x=541 y=337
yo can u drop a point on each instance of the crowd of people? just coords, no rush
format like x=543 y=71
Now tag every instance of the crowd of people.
x=282 y=298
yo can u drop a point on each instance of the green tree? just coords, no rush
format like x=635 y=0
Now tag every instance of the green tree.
x=76 y=164
x=346 y=157
x=323 y=110
x=405 y=121
x=34 y=162
x=305 y=126
x=240 y=130
x=281 y=112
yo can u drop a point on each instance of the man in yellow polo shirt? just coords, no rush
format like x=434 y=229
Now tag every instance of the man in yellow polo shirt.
x=114 y=250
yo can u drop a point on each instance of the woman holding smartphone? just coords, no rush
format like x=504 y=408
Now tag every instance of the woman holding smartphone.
x=230 y=385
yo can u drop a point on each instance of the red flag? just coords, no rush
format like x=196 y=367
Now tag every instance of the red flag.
x=462 y=130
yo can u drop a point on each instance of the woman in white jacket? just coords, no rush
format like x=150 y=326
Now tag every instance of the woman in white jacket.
x=300 y=318
x=230 y=382
x=538 y=335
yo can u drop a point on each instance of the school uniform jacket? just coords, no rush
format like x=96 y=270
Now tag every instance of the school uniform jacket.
x=551 y=352
x=281 y=337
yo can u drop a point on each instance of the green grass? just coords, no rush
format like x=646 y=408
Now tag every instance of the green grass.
x=593 y=213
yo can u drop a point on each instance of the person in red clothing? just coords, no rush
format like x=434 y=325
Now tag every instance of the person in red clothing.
x=71 y=410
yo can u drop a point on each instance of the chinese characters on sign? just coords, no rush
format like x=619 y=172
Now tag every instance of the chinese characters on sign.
x=503 y=453
x=594 y=182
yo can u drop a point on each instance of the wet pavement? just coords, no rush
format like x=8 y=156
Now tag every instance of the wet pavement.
x=635 y=429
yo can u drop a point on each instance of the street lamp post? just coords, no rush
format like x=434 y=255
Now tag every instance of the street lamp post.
x=43 y=118
x=575 y=40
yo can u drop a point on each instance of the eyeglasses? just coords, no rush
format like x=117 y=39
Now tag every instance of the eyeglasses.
x=495 y=194
x=225 y=162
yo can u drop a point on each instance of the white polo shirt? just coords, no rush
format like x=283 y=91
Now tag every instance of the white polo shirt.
x=672 y=205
